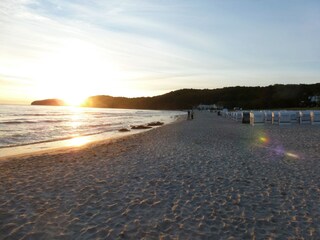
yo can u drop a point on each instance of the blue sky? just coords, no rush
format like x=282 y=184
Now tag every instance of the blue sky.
x=74 y=49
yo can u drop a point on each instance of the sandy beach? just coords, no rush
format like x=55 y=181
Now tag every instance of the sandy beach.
x=209 y=178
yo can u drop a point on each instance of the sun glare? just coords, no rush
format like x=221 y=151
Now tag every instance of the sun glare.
x=78 y=141
x=74 y=100
x=76 y=71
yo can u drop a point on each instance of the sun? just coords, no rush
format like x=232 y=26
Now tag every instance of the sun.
x=75 y=101
x=76 y=71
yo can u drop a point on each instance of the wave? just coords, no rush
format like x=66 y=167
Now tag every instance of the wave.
x=31 y=122
x=34 y=114
x=22 y=127
x=102 y=125
x=50 y=140
x=40 y=114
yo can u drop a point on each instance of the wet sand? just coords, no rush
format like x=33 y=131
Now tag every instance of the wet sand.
x=209 y=178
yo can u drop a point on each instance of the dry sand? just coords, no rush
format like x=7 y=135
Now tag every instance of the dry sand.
x=210 y=178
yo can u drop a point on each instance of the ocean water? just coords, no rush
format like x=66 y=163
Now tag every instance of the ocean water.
x=35 y=126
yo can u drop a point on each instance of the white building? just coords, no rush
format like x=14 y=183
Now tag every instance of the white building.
x=206 y=107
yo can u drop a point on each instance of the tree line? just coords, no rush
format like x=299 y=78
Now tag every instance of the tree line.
x=269 y=97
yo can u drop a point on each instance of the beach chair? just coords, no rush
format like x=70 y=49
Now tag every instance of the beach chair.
x=294 y=116
x=284 y=118
x=225 y=113
x=315 y=117
x=239 y=116
x=246 y=117
x=233 y=116
x=267 y=116
x=256 y=117
x=305 y=117
x=275 y=117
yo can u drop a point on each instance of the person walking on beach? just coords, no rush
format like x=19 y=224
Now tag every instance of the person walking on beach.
x=189 y=114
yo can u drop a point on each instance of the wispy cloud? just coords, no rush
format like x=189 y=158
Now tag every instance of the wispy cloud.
x=151 y=47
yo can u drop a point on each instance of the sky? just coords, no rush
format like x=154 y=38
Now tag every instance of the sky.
x=72 y=49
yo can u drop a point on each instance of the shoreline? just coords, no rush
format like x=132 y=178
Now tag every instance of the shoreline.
x=208 y=178
x=56 y=147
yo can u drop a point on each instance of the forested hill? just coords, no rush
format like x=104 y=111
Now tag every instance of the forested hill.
x=275 y=96
x=49 y=102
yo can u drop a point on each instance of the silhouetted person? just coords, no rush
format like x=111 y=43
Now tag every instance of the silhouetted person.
x=189 y=114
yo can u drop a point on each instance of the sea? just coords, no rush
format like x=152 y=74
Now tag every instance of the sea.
x=24 y=129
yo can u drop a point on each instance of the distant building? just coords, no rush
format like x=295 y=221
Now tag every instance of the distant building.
x=207 y=107
x=314 y=100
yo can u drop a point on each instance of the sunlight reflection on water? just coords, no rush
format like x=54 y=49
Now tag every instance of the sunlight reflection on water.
x=78 y=141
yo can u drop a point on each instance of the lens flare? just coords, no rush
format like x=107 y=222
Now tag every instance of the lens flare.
x=264 y=139
x=292 y=155
x=275 y=147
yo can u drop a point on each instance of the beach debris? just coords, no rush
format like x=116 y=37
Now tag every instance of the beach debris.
x=140 y=127
x=123 y=130
x=153 y=124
